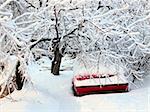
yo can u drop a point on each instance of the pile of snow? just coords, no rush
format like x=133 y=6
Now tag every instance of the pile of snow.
x=115 y=79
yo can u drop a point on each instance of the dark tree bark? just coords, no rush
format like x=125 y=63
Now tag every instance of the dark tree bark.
x=56 y=62
x=19 y=77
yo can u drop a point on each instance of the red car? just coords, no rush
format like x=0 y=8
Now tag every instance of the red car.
x=91 y=84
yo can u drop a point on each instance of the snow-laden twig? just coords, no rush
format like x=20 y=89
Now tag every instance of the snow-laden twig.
x=5 y=3
x=139 y=20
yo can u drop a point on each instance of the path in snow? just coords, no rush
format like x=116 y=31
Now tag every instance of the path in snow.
x=56 y=87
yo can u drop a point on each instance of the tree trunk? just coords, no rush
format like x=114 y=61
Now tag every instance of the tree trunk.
x=19 y=77
x=56 y=62
x=57 y=55
x=17 y=80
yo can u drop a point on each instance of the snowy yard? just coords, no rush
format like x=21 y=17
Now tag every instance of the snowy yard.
x=49 y=93
x=49 y=38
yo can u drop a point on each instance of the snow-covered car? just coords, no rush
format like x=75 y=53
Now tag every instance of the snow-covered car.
x=93 y=83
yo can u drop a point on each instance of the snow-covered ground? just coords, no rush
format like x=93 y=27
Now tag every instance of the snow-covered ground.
x=48 y=93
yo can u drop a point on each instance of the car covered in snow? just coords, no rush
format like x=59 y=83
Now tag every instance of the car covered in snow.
x=99 y=83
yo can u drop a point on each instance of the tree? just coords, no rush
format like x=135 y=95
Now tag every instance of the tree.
x=117 y=36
